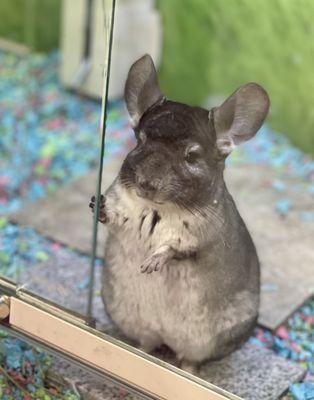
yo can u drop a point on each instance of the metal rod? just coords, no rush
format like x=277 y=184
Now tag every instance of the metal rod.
x=101 y=161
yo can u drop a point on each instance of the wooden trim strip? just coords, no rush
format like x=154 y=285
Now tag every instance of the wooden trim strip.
x=153 y=378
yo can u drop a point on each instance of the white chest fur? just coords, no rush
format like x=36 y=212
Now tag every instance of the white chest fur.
x=172 y=306
x=137 y=302
x=145 y=227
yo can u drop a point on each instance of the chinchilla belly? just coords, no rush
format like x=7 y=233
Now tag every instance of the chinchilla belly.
x=176 y=306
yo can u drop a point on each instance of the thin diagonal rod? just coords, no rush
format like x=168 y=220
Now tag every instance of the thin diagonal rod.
x=101 y=162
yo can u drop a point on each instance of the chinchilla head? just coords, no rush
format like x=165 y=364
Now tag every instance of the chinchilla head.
x=180 y=152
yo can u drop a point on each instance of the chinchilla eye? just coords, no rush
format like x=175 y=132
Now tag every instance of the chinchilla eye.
x=191 y=157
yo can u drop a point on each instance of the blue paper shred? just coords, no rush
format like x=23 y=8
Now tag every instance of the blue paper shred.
x=302 y=391
x=49 y=137
x=283 y=206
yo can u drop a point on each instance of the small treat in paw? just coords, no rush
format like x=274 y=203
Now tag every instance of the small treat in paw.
x=102 y=214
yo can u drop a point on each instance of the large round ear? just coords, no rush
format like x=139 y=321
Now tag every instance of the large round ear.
x=141 y=88
x=240 y=116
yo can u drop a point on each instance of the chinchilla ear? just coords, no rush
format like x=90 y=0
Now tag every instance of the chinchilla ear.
x=240 y=116
x=141 y=88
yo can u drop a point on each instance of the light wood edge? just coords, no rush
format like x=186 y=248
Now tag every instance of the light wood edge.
x=146 y=375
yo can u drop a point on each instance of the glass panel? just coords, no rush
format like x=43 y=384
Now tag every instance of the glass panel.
x=58 y=377
x=168 y=215
x=51 y=90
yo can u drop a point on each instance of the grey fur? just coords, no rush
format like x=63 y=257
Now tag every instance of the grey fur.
x=141 y=88
x=181 y=268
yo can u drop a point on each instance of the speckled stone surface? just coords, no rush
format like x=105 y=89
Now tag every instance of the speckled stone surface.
x=280 y=241
x=284 y=242
x=65 y=215
x=253 y=373
x=63 y=279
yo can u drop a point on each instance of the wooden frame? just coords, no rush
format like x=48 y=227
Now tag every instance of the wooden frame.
x=69 y=335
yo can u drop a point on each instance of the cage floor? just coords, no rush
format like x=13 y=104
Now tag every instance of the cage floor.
x=253 y=372
x=49 y=137
x=283 y=242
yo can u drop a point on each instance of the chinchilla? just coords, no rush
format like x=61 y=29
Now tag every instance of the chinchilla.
x=180 y=265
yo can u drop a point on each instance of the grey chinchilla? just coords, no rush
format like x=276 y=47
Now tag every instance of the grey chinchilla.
x=181 y=268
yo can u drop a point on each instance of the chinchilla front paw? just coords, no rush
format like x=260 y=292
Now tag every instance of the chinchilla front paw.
x=103 y=218
x=154 y=263
x=107 y=213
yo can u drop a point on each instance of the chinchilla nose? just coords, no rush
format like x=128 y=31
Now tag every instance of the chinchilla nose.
x=146 y=185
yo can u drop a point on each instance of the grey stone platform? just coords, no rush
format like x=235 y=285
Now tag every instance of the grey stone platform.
x=63 y=279
x=65 y=216
x=285 y=245
x=252 y=373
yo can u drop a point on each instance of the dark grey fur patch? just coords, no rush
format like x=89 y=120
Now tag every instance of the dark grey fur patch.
x=141 y=223
x=156 y=218
x=186 y=224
